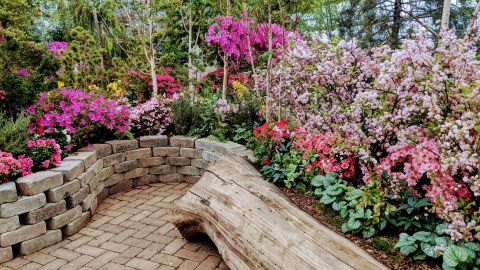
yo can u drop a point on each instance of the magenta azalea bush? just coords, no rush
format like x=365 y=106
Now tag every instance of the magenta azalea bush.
x=57 y=47
x=151 y=117
x=69 y=109
x=11 y=167
x=409 y=116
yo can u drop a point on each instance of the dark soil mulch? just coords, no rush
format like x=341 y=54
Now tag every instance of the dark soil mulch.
x=380 y=247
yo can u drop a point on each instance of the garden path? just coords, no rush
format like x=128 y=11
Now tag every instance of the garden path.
x=130 y=230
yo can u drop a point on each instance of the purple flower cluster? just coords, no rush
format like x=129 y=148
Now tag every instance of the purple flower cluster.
x=57 y=47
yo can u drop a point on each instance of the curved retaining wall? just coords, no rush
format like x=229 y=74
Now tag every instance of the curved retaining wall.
x=39 y=210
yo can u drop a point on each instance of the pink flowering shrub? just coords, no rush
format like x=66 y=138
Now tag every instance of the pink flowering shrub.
x=11 y=167
x=151 y=117
x=57 y=47
x=411 y=115
x=45 y=153
x=71 y=111
x=141 y=84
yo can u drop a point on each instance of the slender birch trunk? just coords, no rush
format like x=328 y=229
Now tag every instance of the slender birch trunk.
x=225 y=64
x=445 y=14
x=269 y=62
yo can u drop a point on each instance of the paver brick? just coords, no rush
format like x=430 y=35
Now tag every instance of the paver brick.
x=70 y=169
x=113 y=159
x=8 y=192
x=102 y=150
x=9 y=224
x=151 y=161
x=163 y=169
x=61 y=220
x=182 y=141
x=6 y=254
x=154 y=141
x=59 y=193
x=119 y=146
x=166 y=151
x=190 y=153
x=49 y=238
x=25 y=232
x=177 y=161
x=77 y=198
x=138 y=153
x=23 y=204
x=38 y=182
x=47 y=211
x=76 y=225
x=125 y=166
x=88 y=157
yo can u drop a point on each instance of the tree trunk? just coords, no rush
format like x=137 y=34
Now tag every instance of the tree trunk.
x=254 y=225
x=269 y=62
x=153 y=72
x=445 y=14
x=394 y=37
x=225 y=64
x=190 y=65
x=98 y=32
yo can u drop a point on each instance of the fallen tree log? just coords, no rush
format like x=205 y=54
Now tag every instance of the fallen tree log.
x=255 y=226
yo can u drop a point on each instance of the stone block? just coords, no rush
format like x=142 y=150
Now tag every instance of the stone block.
x=8 y=192
x=38 y=182
x=70 y=169
x=99 y=189
x=150 y=162
x=75 y=226
x=9 y=224
x=61 y=220
x=166 y=151
x=177 y=161
x=138 y=154
x=24 y=233
x=75 y=199
x=105 y=173
x=191 y=179
x=90 y=173
x=182 y=141
x=113 y=159
x=22 y=205
x=225 y=148
x=206 y=144
x=188 y=170
x=88 y=157
x=119 y=146
x=51 y=237
x=6 y=254
x=122 y=186
x=171 y=178
x=48 y=211
x=190 y=153
x=102 y=150
x=147 y=179
x=210 y=156
x=114 y=179
x=200 y=163
x=154 y=141
x=59 y=193
x=100 y=197
x=163 y=169
x=138 y=172
x=89 y=201
x=125 y=166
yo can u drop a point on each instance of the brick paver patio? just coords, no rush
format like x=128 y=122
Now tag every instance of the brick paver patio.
x=130 y=230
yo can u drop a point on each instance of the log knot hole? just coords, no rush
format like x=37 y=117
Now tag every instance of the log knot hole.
x=205 y=202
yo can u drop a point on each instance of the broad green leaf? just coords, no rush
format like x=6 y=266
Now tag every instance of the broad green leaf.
x=429 y=250
x=454 y=255
x=407 y=250
x=369 y=232
x=440 y=228
x=423 y=236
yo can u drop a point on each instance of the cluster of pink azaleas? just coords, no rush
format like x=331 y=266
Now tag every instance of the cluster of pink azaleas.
x=413 y=112
x=151 y=117
x=232 y=36
x=13 y=167
x=69 y=109
x=57 y=47
x=45 y=153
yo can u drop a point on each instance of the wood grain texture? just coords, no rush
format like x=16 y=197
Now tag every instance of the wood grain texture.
x=254 y=226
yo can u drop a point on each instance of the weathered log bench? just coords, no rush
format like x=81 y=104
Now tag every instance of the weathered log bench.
x=254 y=226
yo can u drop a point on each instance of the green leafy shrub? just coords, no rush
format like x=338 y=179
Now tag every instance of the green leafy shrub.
x=14 y=133
x=194 y=118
